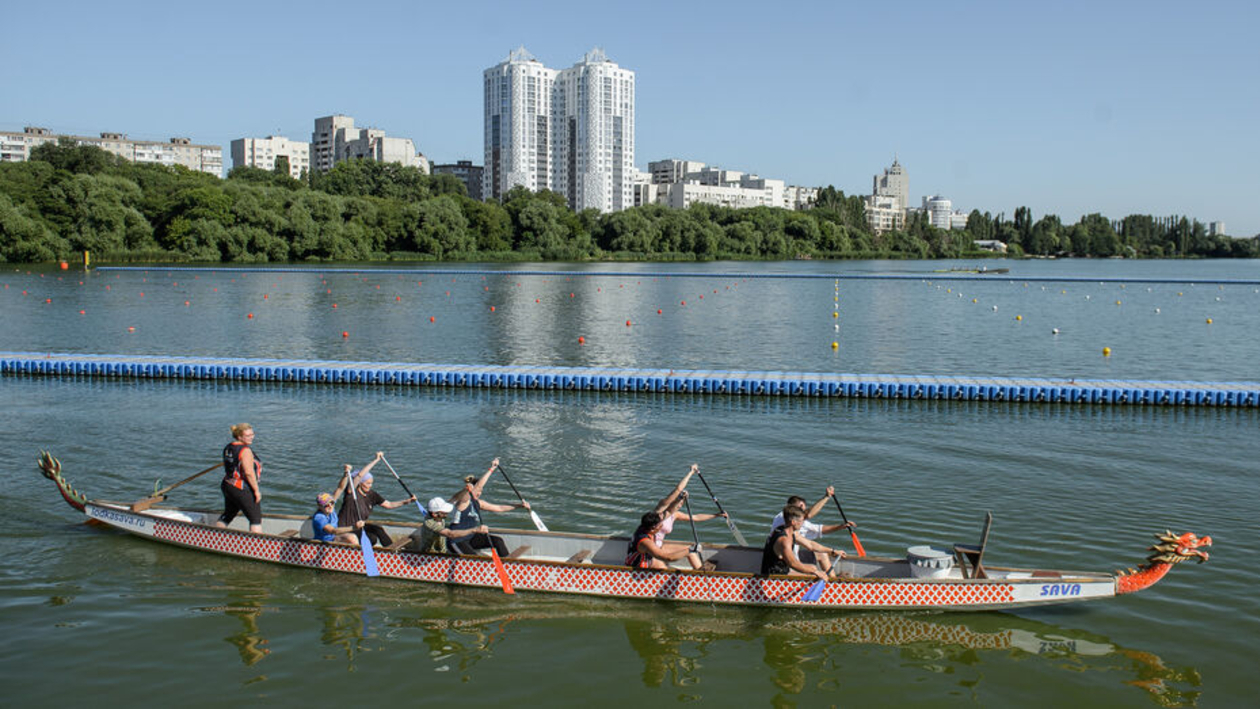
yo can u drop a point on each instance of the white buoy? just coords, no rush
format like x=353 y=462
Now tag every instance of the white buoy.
x=1157 y=311
x=995 y=308
x=1055 y=331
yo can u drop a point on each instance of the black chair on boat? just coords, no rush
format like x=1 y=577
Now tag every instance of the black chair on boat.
x=973 y=555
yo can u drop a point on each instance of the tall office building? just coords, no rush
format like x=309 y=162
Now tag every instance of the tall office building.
x=569 y=131
x=894 y=183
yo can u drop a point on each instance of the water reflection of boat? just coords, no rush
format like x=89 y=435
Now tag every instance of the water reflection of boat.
x=591 y=565
x=672 y=644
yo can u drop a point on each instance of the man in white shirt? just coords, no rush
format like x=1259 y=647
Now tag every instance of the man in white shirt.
x=811 y=531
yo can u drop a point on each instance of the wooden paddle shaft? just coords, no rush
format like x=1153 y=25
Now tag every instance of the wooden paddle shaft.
x=146 y=503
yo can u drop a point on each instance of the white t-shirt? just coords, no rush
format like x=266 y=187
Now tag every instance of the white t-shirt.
x=810 y=530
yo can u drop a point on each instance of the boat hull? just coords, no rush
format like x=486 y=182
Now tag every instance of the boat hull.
x=605 y=580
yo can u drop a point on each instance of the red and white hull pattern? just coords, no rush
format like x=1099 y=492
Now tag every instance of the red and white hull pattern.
x=1020 y=588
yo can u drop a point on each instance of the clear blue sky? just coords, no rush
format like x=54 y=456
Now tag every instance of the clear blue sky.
x=1066 y=107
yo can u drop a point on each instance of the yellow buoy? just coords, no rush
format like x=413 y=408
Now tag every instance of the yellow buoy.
x=835 y=315
x=1209 y=321
x=1106 y=352
x=835 y=345
x=1019 y=317
x=973 y=300
x=1117 y=302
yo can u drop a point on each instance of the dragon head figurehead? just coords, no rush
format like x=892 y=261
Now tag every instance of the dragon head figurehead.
x=1176 y=548
x=51 y=468
x=1169 y=549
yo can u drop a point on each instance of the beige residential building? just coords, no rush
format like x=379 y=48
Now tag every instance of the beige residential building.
x=336 y=138
x=262 y=153
x=16 y=147
x=681 y=183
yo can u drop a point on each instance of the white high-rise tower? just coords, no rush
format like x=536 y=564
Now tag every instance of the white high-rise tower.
x=569 y=131
x=593 y=129
x=517 y=124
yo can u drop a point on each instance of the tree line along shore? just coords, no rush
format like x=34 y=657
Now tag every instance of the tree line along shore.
x=68 y=199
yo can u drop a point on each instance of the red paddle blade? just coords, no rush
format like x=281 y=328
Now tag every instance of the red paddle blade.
x=498 y=567
x=857 y=544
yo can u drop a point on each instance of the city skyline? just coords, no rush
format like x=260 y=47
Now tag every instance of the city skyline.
x=1120 y=109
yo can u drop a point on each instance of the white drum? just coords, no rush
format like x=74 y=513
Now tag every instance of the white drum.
x=928 y=562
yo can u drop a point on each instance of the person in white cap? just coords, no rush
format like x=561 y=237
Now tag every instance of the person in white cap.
x=434 y=533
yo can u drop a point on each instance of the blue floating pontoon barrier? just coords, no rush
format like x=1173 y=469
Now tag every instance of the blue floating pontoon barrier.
x=592 y=379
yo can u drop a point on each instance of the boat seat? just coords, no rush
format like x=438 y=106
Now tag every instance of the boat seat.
x=579 y=557
x=289 y=533
x=970 y=557
x=518 y=552
x=398 y=544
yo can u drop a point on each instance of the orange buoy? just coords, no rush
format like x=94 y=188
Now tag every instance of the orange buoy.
x=683 y=302
x=49 y=300
x=581 y=340
x=627 y=323
x=492 y=308
x=185 y=302
x=131 y=329
x=397 y=298
x=82 y=312
x=430 y=318
x=658 y=311
x=345 y=333
x=264 y=296
x=535 y=300
x=64 y=266
x=334 y=305
x=250 y=316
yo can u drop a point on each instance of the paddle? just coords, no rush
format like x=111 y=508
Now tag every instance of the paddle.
x=369 y=556
x=532 y=514
x=695 y=537
x=815 y=592
x=160 y=495
x=423 y=512
x=856 y=544
x=739 y=538
x=498 y=567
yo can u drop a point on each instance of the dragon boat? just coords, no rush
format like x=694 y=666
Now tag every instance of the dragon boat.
x=587 y=564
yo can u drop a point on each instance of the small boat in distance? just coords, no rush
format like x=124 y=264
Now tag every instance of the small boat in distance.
x=587 y=564
x=981 y=271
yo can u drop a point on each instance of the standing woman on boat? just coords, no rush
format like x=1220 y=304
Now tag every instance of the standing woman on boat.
x=240 y=480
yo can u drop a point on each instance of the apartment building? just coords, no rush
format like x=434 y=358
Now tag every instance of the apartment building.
x=336 y=138
x=263 y=152
x=16 y=147
x=570 y=131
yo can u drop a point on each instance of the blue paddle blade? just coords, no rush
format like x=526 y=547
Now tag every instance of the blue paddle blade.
x=423 y=513
x=815 y=592
x=369 y=556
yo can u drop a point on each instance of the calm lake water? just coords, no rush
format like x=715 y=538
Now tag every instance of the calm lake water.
x=93 y=613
